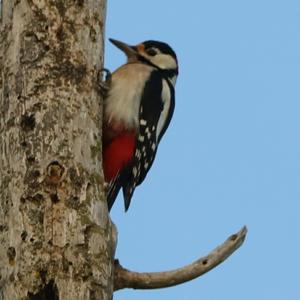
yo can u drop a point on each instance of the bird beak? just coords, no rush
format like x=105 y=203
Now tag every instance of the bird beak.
x=130 y=51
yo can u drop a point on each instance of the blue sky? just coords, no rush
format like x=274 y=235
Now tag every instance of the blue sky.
x=232 y=154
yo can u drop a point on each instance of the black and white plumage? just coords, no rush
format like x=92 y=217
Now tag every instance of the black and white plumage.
x=137 y=111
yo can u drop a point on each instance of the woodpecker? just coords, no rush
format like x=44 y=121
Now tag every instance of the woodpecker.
x=138 y=109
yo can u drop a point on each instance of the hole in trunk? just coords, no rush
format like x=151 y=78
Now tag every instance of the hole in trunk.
x=49 y=292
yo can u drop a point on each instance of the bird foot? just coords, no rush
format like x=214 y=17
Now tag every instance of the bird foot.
x=104 y=79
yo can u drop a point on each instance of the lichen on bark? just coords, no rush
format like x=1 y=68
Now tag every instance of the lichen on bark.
x=54 y=226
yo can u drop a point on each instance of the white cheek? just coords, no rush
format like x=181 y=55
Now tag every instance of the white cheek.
x=164 y=61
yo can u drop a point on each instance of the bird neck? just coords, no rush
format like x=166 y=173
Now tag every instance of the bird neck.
x=169 y=74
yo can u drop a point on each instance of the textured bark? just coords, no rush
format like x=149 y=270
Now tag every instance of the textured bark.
x=57 y=241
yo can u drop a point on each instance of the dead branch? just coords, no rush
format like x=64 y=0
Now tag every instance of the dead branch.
x=128 y=279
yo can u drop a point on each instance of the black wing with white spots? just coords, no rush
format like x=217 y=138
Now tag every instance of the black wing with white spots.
x=146 y=142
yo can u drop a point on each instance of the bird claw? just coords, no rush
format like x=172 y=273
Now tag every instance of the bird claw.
x=104 y=79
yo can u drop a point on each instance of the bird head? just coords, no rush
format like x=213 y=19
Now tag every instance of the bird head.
x=155 y=53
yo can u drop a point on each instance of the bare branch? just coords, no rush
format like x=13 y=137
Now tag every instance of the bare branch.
x=128 y=279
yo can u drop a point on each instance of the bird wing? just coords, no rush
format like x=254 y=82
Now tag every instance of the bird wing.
x=151 y=108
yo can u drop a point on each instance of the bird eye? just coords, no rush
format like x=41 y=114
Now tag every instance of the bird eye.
x=151 y=52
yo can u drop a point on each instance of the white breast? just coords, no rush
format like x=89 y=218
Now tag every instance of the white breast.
x=123 y=102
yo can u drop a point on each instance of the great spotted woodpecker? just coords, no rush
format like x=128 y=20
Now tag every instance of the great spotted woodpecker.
x=137 y=111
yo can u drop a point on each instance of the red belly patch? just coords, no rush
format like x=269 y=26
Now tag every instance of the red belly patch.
x=117 y=154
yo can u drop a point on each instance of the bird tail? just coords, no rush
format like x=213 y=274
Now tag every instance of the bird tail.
x=112 y=192
x=127 y=194
x=114 y=188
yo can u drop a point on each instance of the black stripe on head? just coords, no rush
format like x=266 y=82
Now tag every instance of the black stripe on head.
x=163 y=47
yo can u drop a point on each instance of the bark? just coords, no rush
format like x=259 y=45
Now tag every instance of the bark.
x=57 y=241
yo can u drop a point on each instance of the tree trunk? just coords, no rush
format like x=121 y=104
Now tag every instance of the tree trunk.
x=57 y=240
